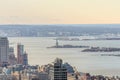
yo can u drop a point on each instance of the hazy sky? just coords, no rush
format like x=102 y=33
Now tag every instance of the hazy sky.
x=59 y=11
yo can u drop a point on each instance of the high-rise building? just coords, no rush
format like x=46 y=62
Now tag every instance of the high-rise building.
x=4 y=50
x=20 y=52
x=12 y=58
x=58 y=71
x=25 y=59
x=22 y=57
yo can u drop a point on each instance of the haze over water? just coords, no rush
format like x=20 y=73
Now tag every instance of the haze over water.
x=93 y=63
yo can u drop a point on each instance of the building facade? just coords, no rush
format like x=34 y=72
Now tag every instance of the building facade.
x=20 y=52
x=12 y=58
x=22 y=57
x=43 y=76
x=25 y=59
x=58 y=71
x=4 y=50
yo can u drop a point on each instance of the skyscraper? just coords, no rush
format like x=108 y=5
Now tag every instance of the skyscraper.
x=4 y=50
x=12 y=58
x=25 y=59
x=58 y=71
x=20 y=52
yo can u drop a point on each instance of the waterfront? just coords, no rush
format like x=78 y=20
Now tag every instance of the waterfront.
x=85 y=62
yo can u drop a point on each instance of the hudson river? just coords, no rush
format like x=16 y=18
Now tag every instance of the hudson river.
x=90 y=62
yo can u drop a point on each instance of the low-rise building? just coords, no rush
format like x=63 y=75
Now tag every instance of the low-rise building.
x=43 y=76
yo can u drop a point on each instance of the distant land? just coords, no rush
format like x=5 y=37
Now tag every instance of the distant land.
x=59 y=30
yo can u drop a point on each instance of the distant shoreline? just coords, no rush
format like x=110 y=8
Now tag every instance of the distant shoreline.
x=58 y=30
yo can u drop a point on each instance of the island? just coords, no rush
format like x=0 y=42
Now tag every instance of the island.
x=117 y=55
x=67 y=46
x=101 y=49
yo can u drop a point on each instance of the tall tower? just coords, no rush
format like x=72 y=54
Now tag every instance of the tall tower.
x=20 y=52
x=4 y=50
x=12 y=58
x=25 y=59
x=58 y=71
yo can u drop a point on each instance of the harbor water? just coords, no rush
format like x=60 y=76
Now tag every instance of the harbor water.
x=91 y=62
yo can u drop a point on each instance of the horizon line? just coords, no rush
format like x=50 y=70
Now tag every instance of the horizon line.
x=65 y=24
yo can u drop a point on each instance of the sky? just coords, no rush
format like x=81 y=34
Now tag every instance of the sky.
x=59 y=11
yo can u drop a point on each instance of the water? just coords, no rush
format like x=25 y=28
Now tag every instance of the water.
x=84 y=62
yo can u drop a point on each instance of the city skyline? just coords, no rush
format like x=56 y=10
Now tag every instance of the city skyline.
x=59 y=12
